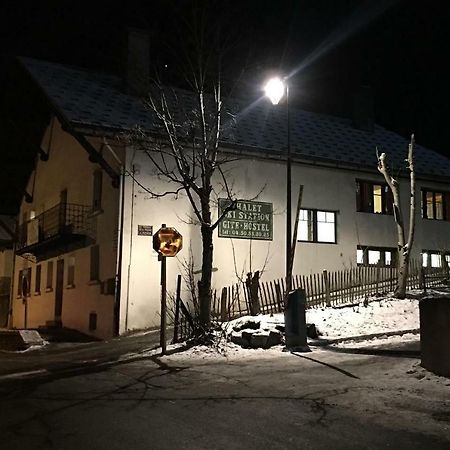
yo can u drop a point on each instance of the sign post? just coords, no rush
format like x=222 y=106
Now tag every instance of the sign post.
x=167 y=241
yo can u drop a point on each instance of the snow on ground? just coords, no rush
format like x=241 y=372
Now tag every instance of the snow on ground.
x=380 y=315
x=377 y=316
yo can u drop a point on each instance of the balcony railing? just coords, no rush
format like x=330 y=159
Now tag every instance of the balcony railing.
x=64 y=224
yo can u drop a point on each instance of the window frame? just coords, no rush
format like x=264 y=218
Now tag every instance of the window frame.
x=49 y=277
x=382 y=250
x=445 y=204
x=365 y=201
x=314 y=212
x=443 y=255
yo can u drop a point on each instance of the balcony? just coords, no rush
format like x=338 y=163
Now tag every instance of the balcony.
x=60 y=229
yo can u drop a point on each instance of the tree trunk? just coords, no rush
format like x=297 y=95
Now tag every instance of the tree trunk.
x=402 y=275
x=404 y=248
x=204 y=286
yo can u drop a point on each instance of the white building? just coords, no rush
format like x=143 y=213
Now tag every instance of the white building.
x=85 y=244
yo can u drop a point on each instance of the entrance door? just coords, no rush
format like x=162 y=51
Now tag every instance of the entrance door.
x=59 y=290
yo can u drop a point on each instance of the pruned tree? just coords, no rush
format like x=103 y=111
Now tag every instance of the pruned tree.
x=184 y=150
x=404 y=240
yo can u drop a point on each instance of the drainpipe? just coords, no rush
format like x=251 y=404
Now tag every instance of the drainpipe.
x=117 y=298
x=119 y=254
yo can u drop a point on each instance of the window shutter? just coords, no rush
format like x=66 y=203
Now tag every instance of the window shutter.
x=358 y=196
x=367 y=197
x=447 y=206
x=389 y=201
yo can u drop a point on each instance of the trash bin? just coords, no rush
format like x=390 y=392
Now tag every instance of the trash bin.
x=435 y=334
x=295 y=321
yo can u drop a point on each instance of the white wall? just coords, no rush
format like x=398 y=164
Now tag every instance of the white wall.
x=324 y=188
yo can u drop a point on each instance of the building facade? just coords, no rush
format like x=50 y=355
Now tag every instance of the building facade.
x=84 y=256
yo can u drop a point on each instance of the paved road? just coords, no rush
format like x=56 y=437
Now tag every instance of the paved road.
x=319 y=400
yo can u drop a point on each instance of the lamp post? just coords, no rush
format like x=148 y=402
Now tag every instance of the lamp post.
x=275 y=89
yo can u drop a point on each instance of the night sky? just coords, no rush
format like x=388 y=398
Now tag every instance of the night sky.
x=398 y=48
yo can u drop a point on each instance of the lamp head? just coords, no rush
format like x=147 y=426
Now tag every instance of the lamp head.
x=275 y=89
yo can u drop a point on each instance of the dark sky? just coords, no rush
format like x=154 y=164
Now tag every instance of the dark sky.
x=399 y=48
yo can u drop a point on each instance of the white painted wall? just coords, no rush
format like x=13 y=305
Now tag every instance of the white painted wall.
x=324 y=188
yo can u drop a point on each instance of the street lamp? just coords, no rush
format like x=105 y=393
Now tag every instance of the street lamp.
x=275 y=89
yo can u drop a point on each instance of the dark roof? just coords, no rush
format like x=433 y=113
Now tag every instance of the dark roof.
x=95 y=100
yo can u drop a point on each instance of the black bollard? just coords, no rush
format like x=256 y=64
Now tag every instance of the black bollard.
x=295 y=321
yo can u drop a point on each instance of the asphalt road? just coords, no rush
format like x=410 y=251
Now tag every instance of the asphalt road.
x=319 y=400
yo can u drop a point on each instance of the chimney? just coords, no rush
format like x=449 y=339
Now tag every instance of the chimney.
x=138 y=61
x=363 y=109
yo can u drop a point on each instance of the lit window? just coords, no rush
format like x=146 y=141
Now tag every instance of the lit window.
x=374 y=257
x=317 y=226
x=377 y=199
x=305 y=228
x=373 y=197
x=430 y=202
x=359 y=256
x=325 y=227
x=435 y=205
x=388 y=258
x=438 y=200
x=435 y=260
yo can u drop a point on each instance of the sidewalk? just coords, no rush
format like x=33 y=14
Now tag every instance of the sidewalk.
x=57 y=357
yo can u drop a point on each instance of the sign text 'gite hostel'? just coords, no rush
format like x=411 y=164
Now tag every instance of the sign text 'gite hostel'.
x=250 y=220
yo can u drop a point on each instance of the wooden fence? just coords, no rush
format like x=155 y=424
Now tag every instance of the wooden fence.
x=323 y=289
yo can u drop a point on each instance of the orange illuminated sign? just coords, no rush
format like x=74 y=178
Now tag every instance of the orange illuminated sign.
x=167 y=241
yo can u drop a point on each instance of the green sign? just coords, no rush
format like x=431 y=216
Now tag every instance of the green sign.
x=250 y=220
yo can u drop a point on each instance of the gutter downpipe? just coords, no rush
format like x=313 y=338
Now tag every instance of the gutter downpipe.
x=118 y=287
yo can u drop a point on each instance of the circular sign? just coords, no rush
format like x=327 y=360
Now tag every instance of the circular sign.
x=167 y=241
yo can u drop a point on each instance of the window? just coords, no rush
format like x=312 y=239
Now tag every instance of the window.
x=435 y=258
x=373 y=197
x=95 y=263
x=71 y=272
x=97 y=191
x=435 y=205
x=317 y=226
x=37 y=282
x=375 y=256
x=49 y=284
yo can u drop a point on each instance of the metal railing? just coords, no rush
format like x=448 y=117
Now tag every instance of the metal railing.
x=64 y=219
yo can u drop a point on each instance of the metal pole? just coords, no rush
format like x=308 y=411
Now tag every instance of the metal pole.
x=162 y=334
x=288 y=199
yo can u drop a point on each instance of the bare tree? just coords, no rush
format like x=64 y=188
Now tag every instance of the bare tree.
x=185 y=149
x=404 y=246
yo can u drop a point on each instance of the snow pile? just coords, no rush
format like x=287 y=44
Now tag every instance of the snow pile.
x=387 y=314
x=378 y=316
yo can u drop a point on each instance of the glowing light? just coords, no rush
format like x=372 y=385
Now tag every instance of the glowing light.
x=275 y=89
